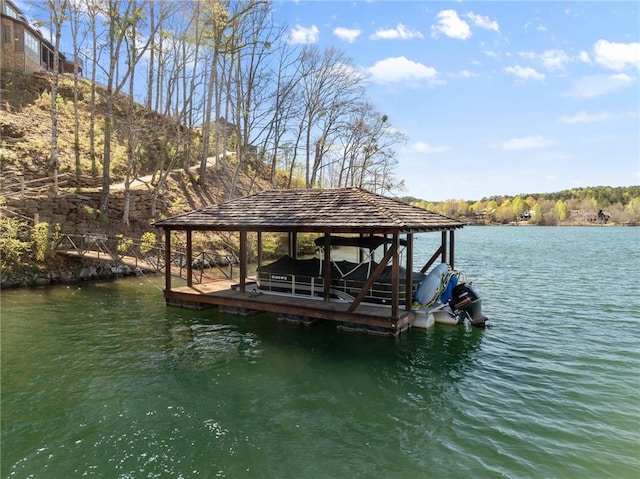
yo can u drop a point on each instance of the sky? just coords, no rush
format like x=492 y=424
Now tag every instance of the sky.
x=495 y=98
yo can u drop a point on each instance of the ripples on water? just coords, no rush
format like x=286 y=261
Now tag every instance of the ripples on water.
x=105 y=381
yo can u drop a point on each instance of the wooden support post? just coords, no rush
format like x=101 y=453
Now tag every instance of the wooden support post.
x=372 y=279
x=167 y=259
x=189 y=259
x=395 y=277
x=259 y=248
x=451 y=249
x=409 y=279
x=293 y=245
x=431 y=260
x=444 y=247
x=326 y=267
x=243 y=260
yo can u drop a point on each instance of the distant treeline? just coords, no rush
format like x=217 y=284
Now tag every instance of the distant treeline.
x=616 y=205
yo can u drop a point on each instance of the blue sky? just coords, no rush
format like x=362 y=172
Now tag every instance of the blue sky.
x=496 y=98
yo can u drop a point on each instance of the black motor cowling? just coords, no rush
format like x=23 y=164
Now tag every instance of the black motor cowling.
x=465 y=302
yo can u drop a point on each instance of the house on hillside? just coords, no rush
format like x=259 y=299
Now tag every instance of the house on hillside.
x=24 y=49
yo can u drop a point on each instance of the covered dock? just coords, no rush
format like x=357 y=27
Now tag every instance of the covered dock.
x=353 y=212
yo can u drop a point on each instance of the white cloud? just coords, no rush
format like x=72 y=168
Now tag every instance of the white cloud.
x=424 y=148
x=540 y=28
x=304 y=35
x=347 y=34
x=594 y=86
x=525 y=143
x=451 y=25
x=400 y=69
x=550 y=59
x=584 y=117
x=555 y=59
x=584 y=57
x=399 y=33
x=483 y=22
x=467 y=74
x=617 y=56
x=525 y=73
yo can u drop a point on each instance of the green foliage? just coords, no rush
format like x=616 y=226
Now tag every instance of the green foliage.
x=41 y=237
x=147 y=242
x=492 y=208
x=13 y=244
x=505 y=212
x=633 y=207
x=91 y=211
x=600 y=196
x=272 y=244
x=561 y=210
x=275 y=244
x=124 y=244
x=577 y=206
x=537 y=216
x=518 y=205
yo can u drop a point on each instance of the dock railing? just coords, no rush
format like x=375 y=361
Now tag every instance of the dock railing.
x=141 y=256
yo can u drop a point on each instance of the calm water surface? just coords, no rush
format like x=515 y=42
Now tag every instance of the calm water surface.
x=103 y=380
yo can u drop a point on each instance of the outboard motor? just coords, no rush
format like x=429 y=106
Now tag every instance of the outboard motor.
x=466 y=303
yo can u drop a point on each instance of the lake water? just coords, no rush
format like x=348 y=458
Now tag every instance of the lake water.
x=103 y=380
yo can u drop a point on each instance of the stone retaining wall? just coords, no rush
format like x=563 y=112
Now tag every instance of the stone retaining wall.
x=79 y=213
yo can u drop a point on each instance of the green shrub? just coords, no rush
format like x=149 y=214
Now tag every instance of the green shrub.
x=44 y=238
x=12 y=246
x=147 y=242
x=124 y=244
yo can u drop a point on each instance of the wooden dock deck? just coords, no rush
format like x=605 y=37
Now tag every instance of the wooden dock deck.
x=225 y=294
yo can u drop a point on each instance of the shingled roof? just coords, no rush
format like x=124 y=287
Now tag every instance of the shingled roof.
x=341 y=210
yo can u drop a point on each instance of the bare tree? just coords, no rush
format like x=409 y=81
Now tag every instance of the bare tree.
x=254 y=37
x=364 y=155
x=92 y=12
x=329 y=87
x=282 y=109
x=216 y=22
x=57 y=9
x=122 y=20
x=132 y=129
x=75 y=18
x=152 y=52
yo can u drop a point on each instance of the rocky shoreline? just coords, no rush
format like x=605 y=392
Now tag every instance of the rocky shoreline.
x=69 y=271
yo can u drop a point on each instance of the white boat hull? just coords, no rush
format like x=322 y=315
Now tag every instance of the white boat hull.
x=423 y=320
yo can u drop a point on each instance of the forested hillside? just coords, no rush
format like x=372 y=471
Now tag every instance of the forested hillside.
x=616 y=205
x=228 y=84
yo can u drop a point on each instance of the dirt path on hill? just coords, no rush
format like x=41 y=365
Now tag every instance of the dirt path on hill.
x=145 y=181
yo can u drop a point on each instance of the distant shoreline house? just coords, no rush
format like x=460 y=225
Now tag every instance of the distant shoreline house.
x=24 y=49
